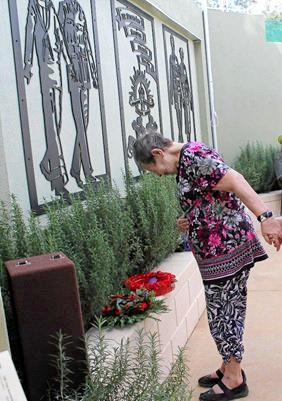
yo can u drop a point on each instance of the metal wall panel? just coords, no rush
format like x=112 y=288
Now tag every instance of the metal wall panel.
x=137 y=74
x=179 y=86
x=60 y=96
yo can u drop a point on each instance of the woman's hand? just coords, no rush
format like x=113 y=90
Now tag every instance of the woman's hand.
x=235 y=182
x=271 y=231
x=182 y=224
x=279 y=219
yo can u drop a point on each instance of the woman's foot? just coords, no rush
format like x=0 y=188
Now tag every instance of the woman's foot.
x=209 y=381
x=229 y=382
x=221 y=392
x=212 y=379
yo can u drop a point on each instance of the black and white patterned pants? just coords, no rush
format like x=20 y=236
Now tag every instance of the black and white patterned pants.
x=226 y=308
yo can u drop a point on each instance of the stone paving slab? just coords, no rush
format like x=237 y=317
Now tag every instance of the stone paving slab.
x=263 y=335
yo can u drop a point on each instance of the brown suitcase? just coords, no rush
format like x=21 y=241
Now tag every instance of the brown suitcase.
x=46 y=299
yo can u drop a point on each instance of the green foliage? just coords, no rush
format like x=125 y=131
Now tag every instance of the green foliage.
x=60 y=361
x=114 y=219
x=107 y=236
x=35 y=236
x=19 y=229
x=255 y=163
x=99 y=275
x=6 y=237
x=13 y=244
x=7 y=251
x=241 y=6
x=154 y=209
x=130 y=371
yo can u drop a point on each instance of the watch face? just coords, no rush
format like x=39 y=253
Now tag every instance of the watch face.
x=265 y=216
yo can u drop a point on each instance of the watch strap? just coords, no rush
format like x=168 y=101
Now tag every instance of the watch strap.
x=264 y=216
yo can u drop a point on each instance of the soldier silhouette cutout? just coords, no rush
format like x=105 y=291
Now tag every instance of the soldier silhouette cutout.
x=43 y=33
x=186 y=95
x=175 y=88
x=82 y=75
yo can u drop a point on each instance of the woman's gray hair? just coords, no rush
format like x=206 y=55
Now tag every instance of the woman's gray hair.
x=143 y=146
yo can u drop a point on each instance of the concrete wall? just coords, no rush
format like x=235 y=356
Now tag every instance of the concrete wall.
x=185 y=19
x=4 y=185
x=247 y=73
x=184 y=13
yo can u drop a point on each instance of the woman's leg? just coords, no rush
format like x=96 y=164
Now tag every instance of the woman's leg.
x=226 y=308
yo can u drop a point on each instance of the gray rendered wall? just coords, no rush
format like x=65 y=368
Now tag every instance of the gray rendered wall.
x=4 y=185
x=247 y=73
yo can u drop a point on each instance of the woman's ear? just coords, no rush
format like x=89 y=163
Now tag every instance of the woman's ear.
x=157 y=152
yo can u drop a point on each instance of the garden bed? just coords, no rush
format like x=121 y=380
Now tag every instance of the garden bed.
x=186 y=304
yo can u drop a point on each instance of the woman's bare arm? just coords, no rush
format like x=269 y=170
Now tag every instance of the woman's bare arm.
x=235 y=182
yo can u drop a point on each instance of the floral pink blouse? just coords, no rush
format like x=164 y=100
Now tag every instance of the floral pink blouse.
x=221 y=234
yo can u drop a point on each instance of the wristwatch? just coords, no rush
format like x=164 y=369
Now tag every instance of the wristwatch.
x=264 y=216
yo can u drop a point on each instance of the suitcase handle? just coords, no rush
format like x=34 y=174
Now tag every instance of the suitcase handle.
x=23 y=263
x=56 y=256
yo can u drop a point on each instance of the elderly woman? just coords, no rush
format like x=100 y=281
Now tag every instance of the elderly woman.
x=222 y=239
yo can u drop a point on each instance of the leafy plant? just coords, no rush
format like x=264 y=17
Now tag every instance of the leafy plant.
x=130 y=371
x=255 y=162
x=153 y=207
x=18 y=229
x=275 y=15
x=114 y=219
x=62 y=383
x=107 y=236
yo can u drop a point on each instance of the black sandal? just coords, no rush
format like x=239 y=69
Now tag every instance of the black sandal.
x=227 y=395
x=208 y=381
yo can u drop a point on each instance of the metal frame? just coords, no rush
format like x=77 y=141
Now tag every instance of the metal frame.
x=23 y=110
x=100 y=89
x=171 y=31
x=142 y=13
x=14 y=24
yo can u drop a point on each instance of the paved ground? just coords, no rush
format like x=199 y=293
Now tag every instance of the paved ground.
x=263 y=335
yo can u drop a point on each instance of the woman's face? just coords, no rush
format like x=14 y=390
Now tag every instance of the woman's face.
x=155 y=168
x=163 y=164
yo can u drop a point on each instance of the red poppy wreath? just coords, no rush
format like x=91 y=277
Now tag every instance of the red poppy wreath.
x=124 y=309
x=159 y=282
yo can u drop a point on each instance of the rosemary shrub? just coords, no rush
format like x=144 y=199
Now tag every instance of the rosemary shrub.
x=130 y=371
x=107 y=236
x=154 y=208
x=256 y=163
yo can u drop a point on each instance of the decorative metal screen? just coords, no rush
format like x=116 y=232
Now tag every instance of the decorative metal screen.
x=137 y=71
x=60 y=96
x=179 y=86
